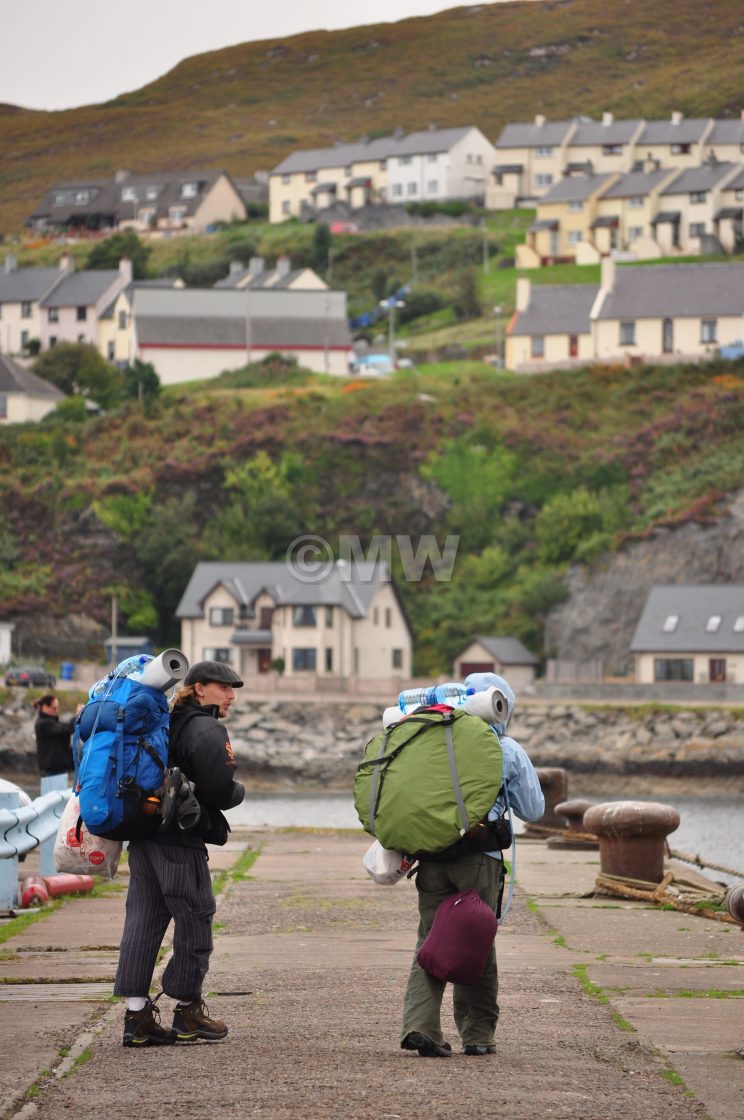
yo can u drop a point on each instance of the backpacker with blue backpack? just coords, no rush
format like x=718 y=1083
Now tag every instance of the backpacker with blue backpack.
x=120 y=750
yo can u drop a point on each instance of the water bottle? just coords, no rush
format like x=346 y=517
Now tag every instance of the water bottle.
x=413 y=698
x=450 y=693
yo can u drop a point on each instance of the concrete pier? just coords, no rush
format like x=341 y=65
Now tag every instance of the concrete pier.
x=610 y=1009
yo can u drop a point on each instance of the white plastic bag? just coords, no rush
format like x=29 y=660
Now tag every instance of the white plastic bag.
x=86 y=854
x=385 y=865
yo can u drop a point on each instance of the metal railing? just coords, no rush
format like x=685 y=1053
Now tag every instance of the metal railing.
x=24 y=827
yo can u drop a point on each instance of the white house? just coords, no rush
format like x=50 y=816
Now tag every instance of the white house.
x=505 y=656
x=348 y=624
x=691 y=634
x=21 y=293
x=23 y=395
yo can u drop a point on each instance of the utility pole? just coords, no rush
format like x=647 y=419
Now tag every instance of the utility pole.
x=390 y=304
x=484 y=231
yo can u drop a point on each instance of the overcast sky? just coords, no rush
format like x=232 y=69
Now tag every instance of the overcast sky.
x=58 y=54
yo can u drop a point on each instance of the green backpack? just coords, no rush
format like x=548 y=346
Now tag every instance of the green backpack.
x=425 y=781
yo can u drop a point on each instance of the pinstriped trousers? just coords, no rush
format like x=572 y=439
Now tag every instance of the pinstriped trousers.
x=167 y=882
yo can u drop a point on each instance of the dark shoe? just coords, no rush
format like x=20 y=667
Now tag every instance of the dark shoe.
x=191 y=1021
x=474 y=1050
x=414 y=1040
x=142 y=1028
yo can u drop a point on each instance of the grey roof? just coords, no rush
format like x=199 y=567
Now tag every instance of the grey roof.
x=509 y=651
x=82 y=289
x=270 y=332
x=28 y=284
x=345 y=155
x=665 y=216
x=15 y=378
x=636 y=184
x=531 y=135
x=702 y=178
x=351 y=586
x=595 y=132
x=737 y=183
x=575 y=188
x=691 y=290
x=507 y=168
x=727 y=132
x=556 y=309
x=667 y=132
x=693 y=605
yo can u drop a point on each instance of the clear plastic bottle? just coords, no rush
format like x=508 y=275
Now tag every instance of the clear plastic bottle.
x=451 y=693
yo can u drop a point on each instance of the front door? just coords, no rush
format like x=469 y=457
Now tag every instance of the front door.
x=717 y=670
x=667 y=341
x=573 y=346
x=264 y=660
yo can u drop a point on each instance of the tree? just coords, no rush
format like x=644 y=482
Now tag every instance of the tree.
x=321 y=246
x=78 y=368
x=141 y=381
x=466 y=300
x=108 y=253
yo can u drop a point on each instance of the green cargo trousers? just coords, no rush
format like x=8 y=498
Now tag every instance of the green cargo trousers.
x=475 y=1008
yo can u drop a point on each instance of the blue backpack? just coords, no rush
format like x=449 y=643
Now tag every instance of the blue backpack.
x=120 y=747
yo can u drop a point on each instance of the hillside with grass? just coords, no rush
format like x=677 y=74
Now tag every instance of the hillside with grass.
x=533 y=475
x=246 y=107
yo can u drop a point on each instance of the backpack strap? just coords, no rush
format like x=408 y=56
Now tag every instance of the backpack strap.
x=118 y=758
x=464 y=818
x=375 y=783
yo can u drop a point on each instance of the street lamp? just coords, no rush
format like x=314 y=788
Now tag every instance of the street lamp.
x=498 y=309
x=390 y=304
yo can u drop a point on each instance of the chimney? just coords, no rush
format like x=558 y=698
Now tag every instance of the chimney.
x=67 y=263
x=10 y=264
x=125 y=268
x=256 y=266
x=524 y=291
x=539 y=120
x=607 y=278
x=676 y=117
x=283 y=265
x=607 y=119
x=120 y=176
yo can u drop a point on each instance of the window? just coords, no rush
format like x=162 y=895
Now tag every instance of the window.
x=53 y=315
x=265 y=617
x=739 y=624
x=717 y=670
x=680 y=149
x=397 y=658
x=329 y=616
x=220 y=654
x=667 y=336
x=478 y=158
x=82 y=196
x=574 y=236
x=413 y=188
x=709 y=330
x=303 y=660
x=81 y=314
x=397 y=189
x=152 y=193
x=349 y=170
x=576 y=207
x=329 y=661
x=303 y=616
x=383 y=165
x=122 y=320
x=26 y=309
x=110 y=351
x=375 y=617
x=60 y=199
x=697 y=229
x=286 y=178
x=636 y=203
x=713 y=624
x=634 y=232
x=311 y=177
x=612 y=149
x=128 y=194
x=672 y=668
x=432 y=186
x=698 y=196
x=537 y=346
x=388 y=618
x=221 y=616
x=81 y=338
x=627 y=334
x=25 y=340
x=432 y=157
x=739 y=194
x=285 y=206
x=544 y=150
x=177 y=213
x=3 y=407
x=670 y=623
x=543 y=180
x=403 y=161
x=189 y=190
x=52 y=341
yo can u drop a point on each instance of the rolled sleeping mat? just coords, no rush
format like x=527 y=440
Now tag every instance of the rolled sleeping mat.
x=165 y=670
x=490 y=705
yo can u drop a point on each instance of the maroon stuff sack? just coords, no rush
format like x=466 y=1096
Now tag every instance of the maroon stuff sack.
x=461 y=935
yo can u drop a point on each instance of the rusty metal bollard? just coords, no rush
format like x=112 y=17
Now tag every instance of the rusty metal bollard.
x=574 y=811
x=631 y=837
x=735 y=904
x=554 y=784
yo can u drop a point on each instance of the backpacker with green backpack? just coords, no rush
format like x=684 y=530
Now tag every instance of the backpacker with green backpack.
x=426 y=784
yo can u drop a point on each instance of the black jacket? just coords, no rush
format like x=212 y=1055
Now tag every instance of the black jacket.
x=200 y=746
x=53 y=737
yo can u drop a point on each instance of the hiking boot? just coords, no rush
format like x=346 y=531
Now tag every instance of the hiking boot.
x=191 y=1021
x=427 y=1048
x=475 y=1050
x=142 y=1028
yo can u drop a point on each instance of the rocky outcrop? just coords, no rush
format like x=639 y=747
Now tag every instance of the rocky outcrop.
x=320 y=744
x=605 y=601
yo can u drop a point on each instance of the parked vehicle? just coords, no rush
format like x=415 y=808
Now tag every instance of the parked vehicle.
x=28 y=676
x=732 y=351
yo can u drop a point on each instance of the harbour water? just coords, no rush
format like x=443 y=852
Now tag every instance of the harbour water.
x=711 y=827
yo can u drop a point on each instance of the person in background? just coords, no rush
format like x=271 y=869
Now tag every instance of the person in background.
x=476 y=1008
x=169 y=876
x=53 y=738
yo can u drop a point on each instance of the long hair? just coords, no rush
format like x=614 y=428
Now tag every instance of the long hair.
x=185 y=692
x=43 y=701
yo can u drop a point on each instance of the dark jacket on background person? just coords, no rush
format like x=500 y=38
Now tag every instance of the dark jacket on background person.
x=200 y=747
x=53 y=738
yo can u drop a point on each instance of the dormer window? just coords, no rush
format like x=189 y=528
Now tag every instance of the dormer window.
x=739 y=624
x=221 y=616
x=713 y=623
x=670 y=623
x=303 y=616
x=189 y=190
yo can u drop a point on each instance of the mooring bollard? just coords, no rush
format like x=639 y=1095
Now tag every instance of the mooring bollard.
x=735 y=904
x=573 y=811
x=554 y=784
x=631 y=837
